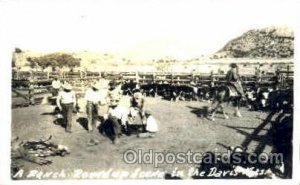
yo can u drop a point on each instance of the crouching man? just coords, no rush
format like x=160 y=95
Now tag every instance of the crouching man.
x=138 y=116
x=117 y=118
x=137 y=107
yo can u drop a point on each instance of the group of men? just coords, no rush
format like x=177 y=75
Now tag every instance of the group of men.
x=101 y=96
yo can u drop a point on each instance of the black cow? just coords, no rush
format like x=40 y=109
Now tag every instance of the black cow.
x=149 y=89
x=128 y=87
x=183 y=92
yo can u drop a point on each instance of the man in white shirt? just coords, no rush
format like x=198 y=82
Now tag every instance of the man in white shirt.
x=66 y=102
x=116 y=115
x=55 y=86
x=94 y=99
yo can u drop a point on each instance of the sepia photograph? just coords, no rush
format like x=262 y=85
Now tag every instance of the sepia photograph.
x=146 y=90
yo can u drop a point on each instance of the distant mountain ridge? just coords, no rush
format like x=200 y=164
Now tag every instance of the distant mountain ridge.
x=272 y=42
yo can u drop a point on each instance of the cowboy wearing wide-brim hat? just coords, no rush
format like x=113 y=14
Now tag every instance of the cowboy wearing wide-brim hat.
x=233 y=79
x=66 y=102
x=94 y=99
x=56 y=85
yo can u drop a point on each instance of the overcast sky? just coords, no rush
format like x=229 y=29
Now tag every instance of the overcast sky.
x=137 y=28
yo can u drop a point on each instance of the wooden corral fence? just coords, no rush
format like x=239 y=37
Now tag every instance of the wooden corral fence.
x=44 y=79
x=22 y=82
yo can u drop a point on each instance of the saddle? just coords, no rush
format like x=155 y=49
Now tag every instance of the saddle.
x=232 y=91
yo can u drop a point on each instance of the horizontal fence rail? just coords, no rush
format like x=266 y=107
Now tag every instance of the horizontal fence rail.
x=44 y=79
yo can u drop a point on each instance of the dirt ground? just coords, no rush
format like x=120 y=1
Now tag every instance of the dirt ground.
x=182 y=127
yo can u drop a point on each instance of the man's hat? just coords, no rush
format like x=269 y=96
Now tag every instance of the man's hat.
x=147 y=112
x=96 y=85
x=233 y=65
x=67 y=86
x=113 y=83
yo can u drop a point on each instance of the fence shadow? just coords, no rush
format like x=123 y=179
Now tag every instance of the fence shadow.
x=83 y=122
x=278 y=136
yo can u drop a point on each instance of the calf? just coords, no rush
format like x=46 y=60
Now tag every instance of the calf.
x=270 y=99
x=205 y=92
x=183 y=92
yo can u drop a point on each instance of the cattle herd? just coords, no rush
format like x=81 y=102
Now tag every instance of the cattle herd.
x=258 y=97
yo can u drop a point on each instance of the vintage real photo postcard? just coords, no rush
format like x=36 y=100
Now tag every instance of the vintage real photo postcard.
x=150 y=89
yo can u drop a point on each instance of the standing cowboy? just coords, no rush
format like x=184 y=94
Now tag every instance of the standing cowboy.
x=94 y=100
x=233 y=80
x=55 y=86
x=66 y=102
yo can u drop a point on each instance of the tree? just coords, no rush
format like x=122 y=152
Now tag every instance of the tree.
x=54 y=60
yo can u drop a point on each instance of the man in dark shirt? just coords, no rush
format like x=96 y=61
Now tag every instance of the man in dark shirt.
x=233 y=80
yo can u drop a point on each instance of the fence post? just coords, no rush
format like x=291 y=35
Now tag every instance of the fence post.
x=192 y=77
x=287 y=74
x=137 y=77
x=153 y=77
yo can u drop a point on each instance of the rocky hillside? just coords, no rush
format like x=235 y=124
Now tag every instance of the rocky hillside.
x=270 y=42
